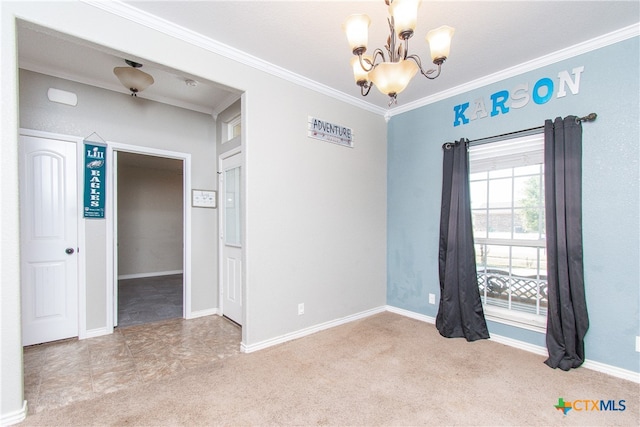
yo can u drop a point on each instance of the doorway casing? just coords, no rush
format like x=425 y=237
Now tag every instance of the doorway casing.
x=112 y=263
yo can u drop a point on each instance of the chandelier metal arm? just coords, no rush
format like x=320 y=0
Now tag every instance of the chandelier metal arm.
x=366 y=86
x=394 y=54
x=427 y=73
x=368 y=65
x=399 y=53
x=391 y=41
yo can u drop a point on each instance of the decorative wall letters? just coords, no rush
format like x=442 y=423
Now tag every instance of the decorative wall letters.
x=503 y=101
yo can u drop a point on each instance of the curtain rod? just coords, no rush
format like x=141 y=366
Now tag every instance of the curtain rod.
x=588 y=118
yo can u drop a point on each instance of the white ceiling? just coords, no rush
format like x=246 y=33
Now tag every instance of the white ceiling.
x=304 y=41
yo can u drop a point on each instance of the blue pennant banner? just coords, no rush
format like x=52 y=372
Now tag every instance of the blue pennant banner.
x=94 y=179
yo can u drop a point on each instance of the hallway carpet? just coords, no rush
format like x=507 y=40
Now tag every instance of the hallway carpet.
x=382 y=370
x=149 y=299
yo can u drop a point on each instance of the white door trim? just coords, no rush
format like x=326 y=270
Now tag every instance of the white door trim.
x=111 y=223
x=82 y=289
x=221 y=158
x=113 y=161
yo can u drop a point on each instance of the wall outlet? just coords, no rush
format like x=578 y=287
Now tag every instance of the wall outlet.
x=300 y=309
x=638 y=344
x=432 y=299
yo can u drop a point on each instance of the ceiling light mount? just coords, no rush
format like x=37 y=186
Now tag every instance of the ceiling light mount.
x=132 y=63
x=392 y=72
x=132 y=77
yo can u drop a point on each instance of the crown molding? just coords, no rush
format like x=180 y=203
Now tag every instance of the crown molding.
x=166 y=27
x=560 y=55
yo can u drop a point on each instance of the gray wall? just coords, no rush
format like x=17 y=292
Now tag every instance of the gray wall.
x=120 y=118
x=315 y=221
x=150 y=219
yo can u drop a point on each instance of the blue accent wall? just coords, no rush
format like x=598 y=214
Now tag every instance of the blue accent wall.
x=609 y=86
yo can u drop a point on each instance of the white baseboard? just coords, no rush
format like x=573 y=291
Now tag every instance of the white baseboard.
x=202 y=313
x=310 y=330
x=411 y=314
x=522 y=345
x=14 y=417
x=98 y=332
x=614 y=371
x=153 y=274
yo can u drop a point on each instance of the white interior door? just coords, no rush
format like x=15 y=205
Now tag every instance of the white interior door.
x=49 y=239
x=231 y=237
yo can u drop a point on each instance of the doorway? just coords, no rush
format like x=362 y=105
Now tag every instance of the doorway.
x=149 y=238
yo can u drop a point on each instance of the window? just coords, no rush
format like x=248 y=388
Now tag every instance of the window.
x=234 y=128
x=507 y=205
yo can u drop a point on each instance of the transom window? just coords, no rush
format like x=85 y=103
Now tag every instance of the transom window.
x=507 y=205
x=234 y=129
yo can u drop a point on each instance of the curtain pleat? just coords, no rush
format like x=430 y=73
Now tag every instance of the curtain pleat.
x=460 y=312
x=567 y=318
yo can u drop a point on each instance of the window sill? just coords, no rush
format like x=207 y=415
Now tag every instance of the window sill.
x=531 y=322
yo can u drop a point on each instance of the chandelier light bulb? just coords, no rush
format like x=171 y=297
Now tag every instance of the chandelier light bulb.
x=360 y=74
x=405 y=16
x=440 y=42
x=357 y=29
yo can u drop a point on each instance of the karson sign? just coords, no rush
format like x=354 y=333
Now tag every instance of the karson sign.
x=502 y=101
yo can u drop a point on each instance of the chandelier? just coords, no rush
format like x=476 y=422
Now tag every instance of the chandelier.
x=391 y=73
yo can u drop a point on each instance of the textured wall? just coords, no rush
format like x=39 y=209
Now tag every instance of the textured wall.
x=315 y=217
x=150 y=220
x=608 y=87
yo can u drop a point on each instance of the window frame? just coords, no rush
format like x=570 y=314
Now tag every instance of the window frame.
x=230 y=127
x=504 y=154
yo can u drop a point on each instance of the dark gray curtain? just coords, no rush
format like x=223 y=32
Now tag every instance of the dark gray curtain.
x=567 y=319
x=460 y=312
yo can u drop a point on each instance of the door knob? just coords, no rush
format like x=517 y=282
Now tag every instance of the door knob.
x=69 y=251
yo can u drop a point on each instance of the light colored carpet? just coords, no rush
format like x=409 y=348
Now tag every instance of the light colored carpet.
x=383 y=370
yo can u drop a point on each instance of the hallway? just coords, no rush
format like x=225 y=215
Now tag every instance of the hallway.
x=149 y=299
x=59 y=373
